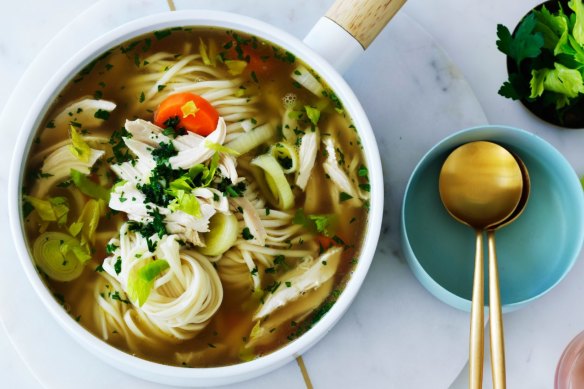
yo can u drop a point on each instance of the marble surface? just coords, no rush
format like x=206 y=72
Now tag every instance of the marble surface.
x=395 y=334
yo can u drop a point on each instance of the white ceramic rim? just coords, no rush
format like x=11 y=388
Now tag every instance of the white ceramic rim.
x=422 y=275
x=216 y=375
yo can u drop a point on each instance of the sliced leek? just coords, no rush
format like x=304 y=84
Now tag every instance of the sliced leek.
x=276 y=180
x=220 y=148
x=286 y=155
x=203 y=52
x=141 y=281
x=221 y=236
x=235 y=67
x=79 y=147
x=88 y=187
x=88 y=221
x=303 y=76
x=252 y=139
x=54 y=209
x=60 y=256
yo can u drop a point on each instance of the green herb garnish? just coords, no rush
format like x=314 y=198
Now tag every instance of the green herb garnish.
x=547 y=55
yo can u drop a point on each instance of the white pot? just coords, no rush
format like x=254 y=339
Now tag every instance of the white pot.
x=330 y=39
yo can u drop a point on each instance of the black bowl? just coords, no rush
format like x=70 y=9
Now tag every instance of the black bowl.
x=571 y=116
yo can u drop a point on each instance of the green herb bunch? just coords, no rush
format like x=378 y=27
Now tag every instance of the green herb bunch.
x=546 y=56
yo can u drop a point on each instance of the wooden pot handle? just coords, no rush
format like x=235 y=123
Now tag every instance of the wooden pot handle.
x=363 y=19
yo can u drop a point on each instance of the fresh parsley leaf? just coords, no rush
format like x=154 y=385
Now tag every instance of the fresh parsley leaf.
x=321 y=222
x=514 y=88
x=525 y=43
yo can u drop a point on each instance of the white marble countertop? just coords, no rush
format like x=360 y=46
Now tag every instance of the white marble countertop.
x=535 y=336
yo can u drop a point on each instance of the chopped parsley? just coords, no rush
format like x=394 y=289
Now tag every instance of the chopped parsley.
x=363 y=172
x=161 y=34
x=279 y=260
x=27 y=208
x=283 y=55
x=365 y=187
x=147 y=230
x=246 y=234
x=102 y=114
x=119 y=149
x=130 y=47
x=172 y=127
x=273 y=287
x=116 y=296
x=344 y=197
x=164 y=152
x=110 y=248
x=231 y=190
x=334 y=99
x=118 y=265
x=155 y=190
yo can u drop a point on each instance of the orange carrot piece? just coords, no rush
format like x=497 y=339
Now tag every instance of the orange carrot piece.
x=195 y=113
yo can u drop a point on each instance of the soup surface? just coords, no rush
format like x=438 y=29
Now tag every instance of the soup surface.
x=196 y=197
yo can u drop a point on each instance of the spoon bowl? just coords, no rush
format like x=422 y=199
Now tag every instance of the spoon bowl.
x=480 y=184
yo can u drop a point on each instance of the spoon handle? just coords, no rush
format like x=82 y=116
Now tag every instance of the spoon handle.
x=495 y=318
x=477 y=320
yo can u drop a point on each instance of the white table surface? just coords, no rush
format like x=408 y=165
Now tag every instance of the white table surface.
x=465 y=29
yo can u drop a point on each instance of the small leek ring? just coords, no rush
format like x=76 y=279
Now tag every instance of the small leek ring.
x=57 y=255
x=282 y=151
x=221 y=236
x=276 y=180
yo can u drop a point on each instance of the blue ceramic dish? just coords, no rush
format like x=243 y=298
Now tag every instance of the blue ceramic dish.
x=534 y=253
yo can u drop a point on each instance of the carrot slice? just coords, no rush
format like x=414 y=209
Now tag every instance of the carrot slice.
x=325 y=242
x=194 y=112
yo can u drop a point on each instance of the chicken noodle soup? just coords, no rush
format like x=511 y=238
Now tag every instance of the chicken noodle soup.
x=196 y=197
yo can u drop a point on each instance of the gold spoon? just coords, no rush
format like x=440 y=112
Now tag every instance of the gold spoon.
x=495 y=315
x=480 y=185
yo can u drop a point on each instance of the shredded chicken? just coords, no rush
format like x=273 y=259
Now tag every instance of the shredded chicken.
x=334 y=171
x=302 y=279
x=252 y=220
x=307 y=154
x=83 y=112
